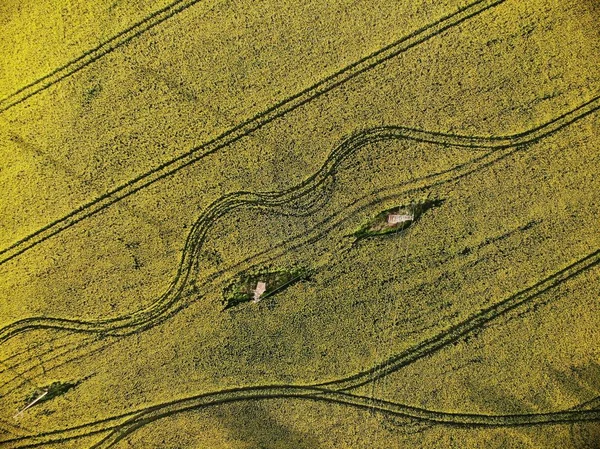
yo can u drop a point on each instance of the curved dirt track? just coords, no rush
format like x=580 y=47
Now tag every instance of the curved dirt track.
x=303 y=192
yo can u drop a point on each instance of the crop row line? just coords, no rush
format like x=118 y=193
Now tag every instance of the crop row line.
x=246 y=128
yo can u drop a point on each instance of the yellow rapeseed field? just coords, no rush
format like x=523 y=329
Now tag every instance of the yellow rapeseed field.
x=158 y=159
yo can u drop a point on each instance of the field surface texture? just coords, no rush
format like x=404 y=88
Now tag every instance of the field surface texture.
x=293 y=224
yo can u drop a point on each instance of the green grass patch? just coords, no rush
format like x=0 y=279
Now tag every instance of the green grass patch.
x=241 y=289
x=53 y=390
x=380 y=225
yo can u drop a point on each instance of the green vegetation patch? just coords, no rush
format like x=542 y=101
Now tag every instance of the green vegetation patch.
x=91 y=93
x=50 y=392
x=395 y=219
x=260 y=283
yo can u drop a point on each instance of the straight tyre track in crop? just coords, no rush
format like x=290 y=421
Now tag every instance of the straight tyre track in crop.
x=151 y=315
x=312 y=235
x=121 y=426
x=426 y=348
x=94 y=54
x=471 y=325
x=248 y=127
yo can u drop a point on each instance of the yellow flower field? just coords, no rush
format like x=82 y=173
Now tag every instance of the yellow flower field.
x=158 y=159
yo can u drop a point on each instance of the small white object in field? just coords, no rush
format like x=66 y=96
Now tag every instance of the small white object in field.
x=399 y=218
x=30 y=404
x=261 y=287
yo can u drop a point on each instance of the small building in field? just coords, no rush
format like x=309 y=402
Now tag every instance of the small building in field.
x=394 y=219
x=261 y=287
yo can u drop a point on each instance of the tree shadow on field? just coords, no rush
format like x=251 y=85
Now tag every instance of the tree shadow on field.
x=586 y=435
x=252 y=425
x=580 y=383
x=586 y=383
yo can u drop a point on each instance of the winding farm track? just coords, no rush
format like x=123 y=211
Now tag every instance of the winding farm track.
x=118 y=427
x=310 y=236
x=114 y=429
x=308 y=393
x=493 y=149
x=248 y=127
x=337 y=390
x=303 y=191
x=125 y=424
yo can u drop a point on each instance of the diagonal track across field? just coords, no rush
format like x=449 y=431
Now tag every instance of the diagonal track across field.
x=248 y=127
